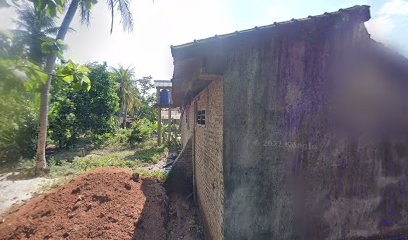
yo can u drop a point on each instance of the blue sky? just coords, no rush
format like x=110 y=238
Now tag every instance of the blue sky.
x=161 y=23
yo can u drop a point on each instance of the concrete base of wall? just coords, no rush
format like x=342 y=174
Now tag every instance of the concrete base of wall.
x=180 y=178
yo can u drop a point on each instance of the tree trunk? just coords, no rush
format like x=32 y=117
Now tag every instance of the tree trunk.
x=41 y=163
x=120 y=101
x=125 y=116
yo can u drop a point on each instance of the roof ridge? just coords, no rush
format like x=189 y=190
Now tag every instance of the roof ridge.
x=360 y=8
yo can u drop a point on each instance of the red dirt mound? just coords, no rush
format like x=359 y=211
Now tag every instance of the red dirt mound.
x=102 y=204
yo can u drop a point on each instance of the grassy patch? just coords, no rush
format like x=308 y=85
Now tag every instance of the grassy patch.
x=148 y=155
x=158 y=174
x=82 y=159
x=111 y=157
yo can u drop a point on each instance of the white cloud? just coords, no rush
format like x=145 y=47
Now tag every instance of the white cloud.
x=380 y=27
x=395 y=7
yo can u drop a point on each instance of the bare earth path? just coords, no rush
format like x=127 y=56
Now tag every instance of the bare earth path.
x=14 y=190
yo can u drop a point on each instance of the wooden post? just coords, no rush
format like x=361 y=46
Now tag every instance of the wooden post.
x=175 y=133
x=159 y=127
x=169 y=127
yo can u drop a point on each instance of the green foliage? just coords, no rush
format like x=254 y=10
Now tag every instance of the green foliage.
x=22 y=55
x=145 y=85
x=18 y=107
x=121 y=137
x=82 y=113
x=146 y=109
x=51 y=7
x=18 y=129
x=35 y=29
x=147 y=100
x=102 y=161
x=21 y=77
x=76 y=75
x=128 y=92
x=50 y=45
x=63 y=120
x=99 y=139
x=17 y=73
x=41 y=5
x=141 y=131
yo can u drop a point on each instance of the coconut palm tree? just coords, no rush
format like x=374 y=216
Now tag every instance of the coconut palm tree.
x=128 y=92
x=33 y=27
x=123 y=6
x=130 y=99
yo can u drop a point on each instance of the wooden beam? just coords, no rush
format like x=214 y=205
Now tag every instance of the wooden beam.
x=203 y=75
x=210 y=77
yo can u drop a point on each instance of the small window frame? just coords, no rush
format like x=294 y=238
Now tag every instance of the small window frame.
x=200 y=118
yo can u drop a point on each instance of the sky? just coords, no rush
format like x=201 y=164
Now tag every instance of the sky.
x=158 y=24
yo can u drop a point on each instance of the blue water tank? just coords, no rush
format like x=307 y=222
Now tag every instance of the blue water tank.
x=164 y=97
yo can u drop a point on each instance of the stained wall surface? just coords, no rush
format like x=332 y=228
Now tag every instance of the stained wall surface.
x=312 y=151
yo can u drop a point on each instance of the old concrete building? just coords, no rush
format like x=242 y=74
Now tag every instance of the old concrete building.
x=296 y=130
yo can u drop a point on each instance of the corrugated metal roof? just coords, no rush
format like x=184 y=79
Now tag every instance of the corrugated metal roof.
x=360 y=10
x=162 y=83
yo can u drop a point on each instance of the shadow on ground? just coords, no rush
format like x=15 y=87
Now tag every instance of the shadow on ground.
x=170 y=217
x=154 y=216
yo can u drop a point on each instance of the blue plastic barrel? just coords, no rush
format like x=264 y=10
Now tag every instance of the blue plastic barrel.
x=164 y=97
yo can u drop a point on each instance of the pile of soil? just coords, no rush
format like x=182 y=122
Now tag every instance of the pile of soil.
x=107 y=203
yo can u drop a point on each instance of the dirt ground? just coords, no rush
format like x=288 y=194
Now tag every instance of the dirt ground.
x=26 y=188
x=106 y=203
x=183 y=222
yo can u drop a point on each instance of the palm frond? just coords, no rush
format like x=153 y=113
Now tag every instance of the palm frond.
x=126 y=15
x=111 y=6
x=29 y=18
x=32 y=26
x=54 y=30
x=85 y=13
x=122 y=6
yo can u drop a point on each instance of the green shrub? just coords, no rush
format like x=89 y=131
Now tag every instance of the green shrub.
x=141 y=131
x=26 y=138
x=99 y=139
x=76 y=114
x=18 y=127
x=123 y=135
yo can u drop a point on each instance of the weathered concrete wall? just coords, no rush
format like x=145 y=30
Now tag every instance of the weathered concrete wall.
x=187 y=124
x=298 y=162
x=209 y=159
